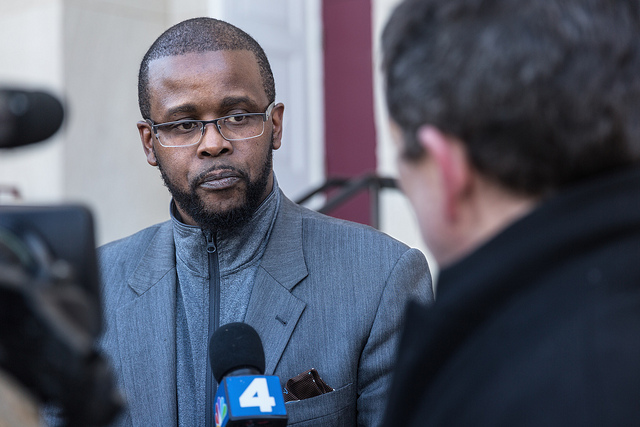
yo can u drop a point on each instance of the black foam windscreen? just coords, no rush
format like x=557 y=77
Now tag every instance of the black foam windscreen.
x=27 y=117
x=235 y=346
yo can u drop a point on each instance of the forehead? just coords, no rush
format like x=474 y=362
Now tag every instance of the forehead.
x=205 y=78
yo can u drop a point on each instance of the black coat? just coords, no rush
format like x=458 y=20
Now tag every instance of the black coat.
x=538 y=327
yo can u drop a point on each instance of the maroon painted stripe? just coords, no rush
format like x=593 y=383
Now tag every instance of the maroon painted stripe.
x=350 y=148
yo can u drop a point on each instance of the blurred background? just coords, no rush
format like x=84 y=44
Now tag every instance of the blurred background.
x=325 y=58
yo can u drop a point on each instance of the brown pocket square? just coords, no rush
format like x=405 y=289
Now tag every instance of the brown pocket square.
x=305 y=385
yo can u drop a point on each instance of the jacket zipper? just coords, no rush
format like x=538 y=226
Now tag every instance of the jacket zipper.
x=214 y=320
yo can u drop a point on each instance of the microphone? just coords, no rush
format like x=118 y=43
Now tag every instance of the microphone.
x=245 y=397
x=27 y=117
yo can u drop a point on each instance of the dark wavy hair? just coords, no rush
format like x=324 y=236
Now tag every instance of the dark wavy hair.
x=542 y=92
x=201 y=35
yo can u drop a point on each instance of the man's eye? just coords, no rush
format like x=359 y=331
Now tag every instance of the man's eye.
x=184 y=127
x=236 y=119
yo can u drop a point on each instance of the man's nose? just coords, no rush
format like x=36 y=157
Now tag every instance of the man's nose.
x=212 y=143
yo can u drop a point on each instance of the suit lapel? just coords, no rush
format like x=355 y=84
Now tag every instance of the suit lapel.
x=147 y=333
x=273 y=310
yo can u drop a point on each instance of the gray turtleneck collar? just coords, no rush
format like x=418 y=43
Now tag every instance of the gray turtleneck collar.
x=236 y=251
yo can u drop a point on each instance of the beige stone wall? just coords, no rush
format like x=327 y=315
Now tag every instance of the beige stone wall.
x=30 y=47
x=104 y=42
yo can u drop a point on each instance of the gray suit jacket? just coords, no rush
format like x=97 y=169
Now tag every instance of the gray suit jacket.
x=329 y=295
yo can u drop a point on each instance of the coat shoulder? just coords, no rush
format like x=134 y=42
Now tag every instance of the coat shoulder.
x=136 y=243
x=320 y=228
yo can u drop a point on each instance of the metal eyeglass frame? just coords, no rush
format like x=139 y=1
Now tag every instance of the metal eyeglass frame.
x=265 y=117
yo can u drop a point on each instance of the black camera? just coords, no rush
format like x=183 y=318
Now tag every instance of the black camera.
x=50 y=311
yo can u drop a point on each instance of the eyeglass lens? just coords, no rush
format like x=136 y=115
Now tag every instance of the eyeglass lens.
x=231 y=128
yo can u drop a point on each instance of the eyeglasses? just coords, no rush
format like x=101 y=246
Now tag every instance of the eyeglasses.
x=235 y=127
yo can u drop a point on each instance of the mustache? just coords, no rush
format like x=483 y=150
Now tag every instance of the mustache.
x=202 y=176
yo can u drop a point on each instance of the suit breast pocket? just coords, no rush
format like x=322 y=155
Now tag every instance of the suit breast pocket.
x=336 y=408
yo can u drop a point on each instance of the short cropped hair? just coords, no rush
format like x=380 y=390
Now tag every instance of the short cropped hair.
x=542 y=93
x=201 y=35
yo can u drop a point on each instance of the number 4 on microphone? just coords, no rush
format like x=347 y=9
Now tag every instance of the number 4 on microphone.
x=250 y=398
x=257 y=395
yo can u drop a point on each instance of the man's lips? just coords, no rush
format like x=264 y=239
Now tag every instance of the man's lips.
x=220 y=180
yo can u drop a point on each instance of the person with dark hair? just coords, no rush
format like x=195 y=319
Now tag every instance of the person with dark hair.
x=326 y=296
x=517 y=126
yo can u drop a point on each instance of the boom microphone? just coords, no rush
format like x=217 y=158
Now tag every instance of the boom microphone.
x=27 y=117
x=245 y=396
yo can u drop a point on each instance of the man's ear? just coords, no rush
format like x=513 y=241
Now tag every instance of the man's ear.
x=146 y=137
x=450 y=160
x=277 y=115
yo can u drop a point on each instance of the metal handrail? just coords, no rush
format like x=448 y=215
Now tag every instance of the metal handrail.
x=349 y=188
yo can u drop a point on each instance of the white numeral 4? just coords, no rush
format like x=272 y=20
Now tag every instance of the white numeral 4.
x=257 y=394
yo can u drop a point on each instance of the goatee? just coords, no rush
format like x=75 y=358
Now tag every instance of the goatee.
x=230 y=219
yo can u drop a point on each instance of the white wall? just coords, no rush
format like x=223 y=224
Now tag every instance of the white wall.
x=31 y=52
x=397 y=217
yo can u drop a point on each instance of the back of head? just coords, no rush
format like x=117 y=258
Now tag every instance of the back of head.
x=542 y=92
x=201 y=35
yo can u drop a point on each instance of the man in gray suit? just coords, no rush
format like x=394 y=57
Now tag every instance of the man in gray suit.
x=322 y=293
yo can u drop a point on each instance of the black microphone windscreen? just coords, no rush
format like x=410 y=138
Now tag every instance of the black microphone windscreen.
x=27 y=117
x=235 y=346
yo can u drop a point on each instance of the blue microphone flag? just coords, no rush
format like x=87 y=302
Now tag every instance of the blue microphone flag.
x=241 y=400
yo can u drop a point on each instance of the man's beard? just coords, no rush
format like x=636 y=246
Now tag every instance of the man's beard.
x=208 y=218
